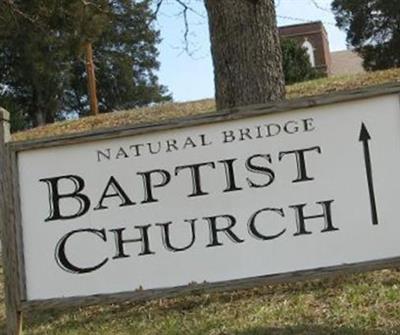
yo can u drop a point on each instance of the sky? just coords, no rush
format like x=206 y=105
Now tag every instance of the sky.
x=189 y=76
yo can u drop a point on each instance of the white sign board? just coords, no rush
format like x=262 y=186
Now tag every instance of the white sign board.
x=259 y=196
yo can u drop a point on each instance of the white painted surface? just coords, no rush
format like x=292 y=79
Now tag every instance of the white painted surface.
x=339 y=174
x=310 y=51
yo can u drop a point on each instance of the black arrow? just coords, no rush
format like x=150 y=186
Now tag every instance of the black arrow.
x=365 y=137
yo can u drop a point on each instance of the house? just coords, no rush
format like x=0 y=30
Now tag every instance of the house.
x=314 y=38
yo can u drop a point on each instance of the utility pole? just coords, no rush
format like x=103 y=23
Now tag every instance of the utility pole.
x=92 y=91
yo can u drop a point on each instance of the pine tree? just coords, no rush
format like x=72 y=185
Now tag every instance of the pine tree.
x=296 y=63
x=33 y=63
x=373 y=29
x=42 y=64
x=125 y=57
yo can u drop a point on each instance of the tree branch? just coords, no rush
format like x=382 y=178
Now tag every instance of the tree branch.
x=318 y=6
x=185 y=9
x=14 y=9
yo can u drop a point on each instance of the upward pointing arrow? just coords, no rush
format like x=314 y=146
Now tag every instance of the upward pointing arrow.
x=365 y=137
x=364 y=134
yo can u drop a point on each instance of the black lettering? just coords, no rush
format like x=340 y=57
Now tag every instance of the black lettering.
x=171 y=146
x=148 y=184
x=300 y=162
x=62 y=259
x=301 y=218
x=117 y=192
x=256 y=233
x=214 y=230
x=308 y=124
x=252 y=167
x=195 y=176
x=152 y=150
x=245 y=133
x=143 y=239
x=121 y=153
x=103 y=154
x=270 y=129
x=136 y=149
x=189 y=143
x=291 y=127
x=204 y=142
x=228 y=136
x=165 y=232
x=55 y=197
x=230 y=176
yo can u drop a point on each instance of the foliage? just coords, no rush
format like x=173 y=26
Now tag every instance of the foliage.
x=296 y=63
x=42 y=66
x=125 y=56
x=373 y=29
x=32 y=61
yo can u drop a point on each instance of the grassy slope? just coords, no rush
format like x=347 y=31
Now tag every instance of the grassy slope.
x=175 y=110
x=353 y=304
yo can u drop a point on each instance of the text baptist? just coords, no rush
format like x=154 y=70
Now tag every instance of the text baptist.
x=152 y=186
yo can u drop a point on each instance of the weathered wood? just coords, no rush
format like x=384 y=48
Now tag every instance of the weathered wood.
x=210 y=287
x=213 y=117
x=19 y=246
x=8 y=233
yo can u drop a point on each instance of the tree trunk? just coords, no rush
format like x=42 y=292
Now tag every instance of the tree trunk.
x=92 y=90
x=246 y=52
x=40 y=118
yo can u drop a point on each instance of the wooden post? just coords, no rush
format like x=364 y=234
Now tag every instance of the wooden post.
x=8 y=233
x=92 y=91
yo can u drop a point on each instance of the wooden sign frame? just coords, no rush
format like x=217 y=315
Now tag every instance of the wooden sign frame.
x=12 y=244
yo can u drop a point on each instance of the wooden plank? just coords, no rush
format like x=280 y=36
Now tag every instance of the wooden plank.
x=209 y=287
x=231 y=114
x=19 y=246
x=8 y=230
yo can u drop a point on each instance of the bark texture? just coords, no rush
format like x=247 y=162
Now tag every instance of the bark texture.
x=246 y=52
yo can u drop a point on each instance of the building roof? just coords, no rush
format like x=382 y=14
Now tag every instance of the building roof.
x=301 y=28
x=346 y=62
x=311 y=23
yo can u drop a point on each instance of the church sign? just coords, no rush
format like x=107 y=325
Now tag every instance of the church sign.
x=266 y=193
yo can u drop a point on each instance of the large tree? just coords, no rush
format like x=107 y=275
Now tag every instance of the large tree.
x=246 y=52
x=42 y=69
x=373 y=29
x=32 y=59
x=125 y=50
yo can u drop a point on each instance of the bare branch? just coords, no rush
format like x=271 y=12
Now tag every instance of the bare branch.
x=158 y=7
x=14 y=9
x=184 y=12
x=186 y=23
x=318 y=6
x=97 y=7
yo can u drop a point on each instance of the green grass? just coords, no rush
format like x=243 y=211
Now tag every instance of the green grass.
x=363 y=304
